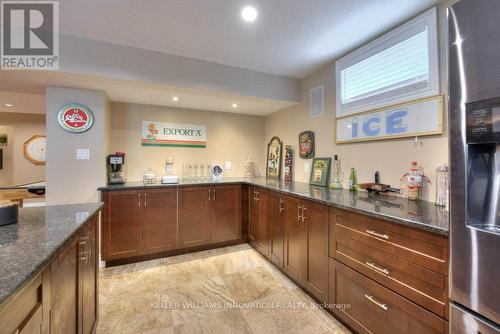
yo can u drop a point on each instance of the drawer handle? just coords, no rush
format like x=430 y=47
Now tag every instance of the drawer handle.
x=379 y=304
x=378 y=235
x=281 y=205
x=377 y=268
x=299 y=210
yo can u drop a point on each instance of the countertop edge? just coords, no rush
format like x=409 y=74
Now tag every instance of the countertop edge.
x=397 y=220
x=42 y=265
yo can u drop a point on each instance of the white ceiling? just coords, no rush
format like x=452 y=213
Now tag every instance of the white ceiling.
x=290 y=37
x=26 y=91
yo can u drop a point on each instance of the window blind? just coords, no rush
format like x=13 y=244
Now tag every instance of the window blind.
x=406 y=63
x=399 y=66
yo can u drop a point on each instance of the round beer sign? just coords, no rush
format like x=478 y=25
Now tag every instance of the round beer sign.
x=75 y=118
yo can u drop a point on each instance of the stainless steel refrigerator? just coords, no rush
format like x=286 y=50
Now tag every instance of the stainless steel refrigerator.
x=474 y=104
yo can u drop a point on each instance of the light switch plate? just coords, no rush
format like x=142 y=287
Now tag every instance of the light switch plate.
x=82 y=154
x=228 y=165
x=307 y=167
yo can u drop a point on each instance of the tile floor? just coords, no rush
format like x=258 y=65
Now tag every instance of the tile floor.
x=226 y=290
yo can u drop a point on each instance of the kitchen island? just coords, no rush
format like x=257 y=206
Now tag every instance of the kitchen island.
x=48 y=281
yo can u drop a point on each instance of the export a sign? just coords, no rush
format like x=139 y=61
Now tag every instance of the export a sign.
x=30 y=35
x=419 y=118
x=173 y=134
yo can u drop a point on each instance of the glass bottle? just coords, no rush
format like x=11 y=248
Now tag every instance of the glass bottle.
x=442 y=185
x=353 y=180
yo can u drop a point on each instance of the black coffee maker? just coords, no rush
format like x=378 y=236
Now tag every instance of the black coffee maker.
x=115 y=168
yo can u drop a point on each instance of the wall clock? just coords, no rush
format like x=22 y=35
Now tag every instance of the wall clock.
x=34 y=150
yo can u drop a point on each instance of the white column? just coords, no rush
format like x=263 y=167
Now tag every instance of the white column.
x=69 y=180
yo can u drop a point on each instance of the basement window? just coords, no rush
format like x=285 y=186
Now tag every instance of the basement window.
x=398 y=67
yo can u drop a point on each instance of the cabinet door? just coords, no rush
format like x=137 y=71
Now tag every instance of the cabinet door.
x=159 y=220
x=316 y=219
x=89 y=277
x=253 y=221
x=122 y=224
x=195 y=225
x=64 y=291
x=295 y=240
x=276 y=228
x=262 y=240
x=226 y=214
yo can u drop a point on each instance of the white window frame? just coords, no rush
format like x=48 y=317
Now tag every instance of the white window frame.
x=412 y=92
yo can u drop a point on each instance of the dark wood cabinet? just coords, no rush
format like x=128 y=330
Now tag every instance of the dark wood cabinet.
x=145 y=222
x=122 y=224
x=138 y=222
x=306 y=245
x=295 y=240
x=253 y=213
x=276 y=228
x=29 y=312
x=195 y=223
x=376 y=309
x=65 y=278
x=74 y=284
x=89 y=277
x=408 y=261
x=63 y=297
x=316 y=218
x=159 y=220
x=258 y=221
x=226 y=213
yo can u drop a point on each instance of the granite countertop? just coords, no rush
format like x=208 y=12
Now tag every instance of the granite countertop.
x=418 y=214
x=29 y=245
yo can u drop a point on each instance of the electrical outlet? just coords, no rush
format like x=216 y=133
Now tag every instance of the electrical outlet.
x=228 y=165
x=307 y=167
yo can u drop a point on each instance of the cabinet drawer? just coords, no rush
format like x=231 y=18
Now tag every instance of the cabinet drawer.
x=425 y=249
x=24 y=314
x=376 y=309
x=422 y=286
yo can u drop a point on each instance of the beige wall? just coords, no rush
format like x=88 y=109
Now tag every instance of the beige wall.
x=391 y=158
x=229 y=137
x=70 y=180
x=17 y=169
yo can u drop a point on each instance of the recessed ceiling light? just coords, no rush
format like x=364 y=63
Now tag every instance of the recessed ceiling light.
x=175 y=99
x=8 y=105
x=235 y=105
x=249 y=14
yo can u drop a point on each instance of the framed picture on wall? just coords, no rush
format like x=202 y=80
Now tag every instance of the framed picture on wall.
x=306 y=144
x=320 y=171
x=273 y=160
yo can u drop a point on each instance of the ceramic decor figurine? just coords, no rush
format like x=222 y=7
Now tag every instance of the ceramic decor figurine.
x=413 y=181
x=249 y=168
